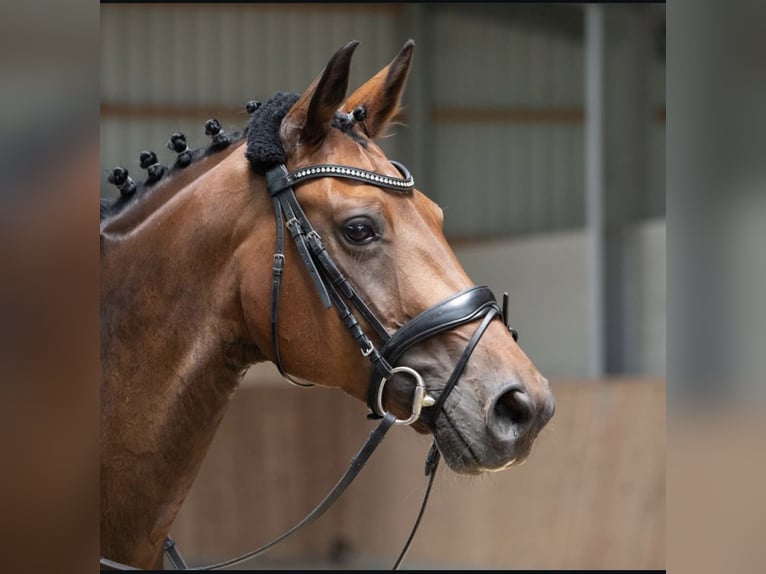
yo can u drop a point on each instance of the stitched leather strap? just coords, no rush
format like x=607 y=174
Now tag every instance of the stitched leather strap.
x=460 y=367
x=174 y=556
x=276 y=284
x=296 y=226
x=459 y=309
x=432 y=463
x=357 y=463
x=284 y=180
x=328 y=279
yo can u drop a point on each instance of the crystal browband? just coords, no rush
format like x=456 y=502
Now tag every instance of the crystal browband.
x=328 y=170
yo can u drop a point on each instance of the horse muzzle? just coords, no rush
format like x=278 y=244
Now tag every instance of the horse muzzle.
x=513 y=417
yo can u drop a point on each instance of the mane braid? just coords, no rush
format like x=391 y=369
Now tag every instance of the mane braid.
x=264 y=147
x=110 y=208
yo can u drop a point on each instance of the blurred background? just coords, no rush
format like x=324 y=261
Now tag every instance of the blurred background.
x=540 y=130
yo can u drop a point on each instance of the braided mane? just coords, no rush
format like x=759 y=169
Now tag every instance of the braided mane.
x=264 y=149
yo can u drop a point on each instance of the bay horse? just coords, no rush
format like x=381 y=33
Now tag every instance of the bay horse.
x=198 y=284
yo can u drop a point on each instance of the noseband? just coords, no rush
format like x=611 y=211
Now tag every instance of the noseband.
x=472 y=304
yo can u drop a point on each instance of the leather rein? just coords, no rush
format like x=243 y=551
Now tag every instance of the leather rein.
x=472 y=304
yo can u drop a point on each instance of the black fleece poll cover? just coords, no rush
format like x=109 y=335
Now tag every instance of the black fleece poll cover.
x=264 y=147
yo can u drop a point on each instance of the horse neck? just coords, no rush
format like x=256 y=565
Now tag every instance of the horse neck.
x=163 y=191
x=173 y=348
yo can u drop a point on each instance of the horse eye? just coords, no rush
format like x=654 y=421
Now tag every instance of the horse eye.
x=359 y=232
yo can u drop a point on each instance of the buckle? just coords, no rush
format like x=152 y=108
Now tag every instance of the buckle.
x=419 y=400
x=366 y=352
x=292 y=221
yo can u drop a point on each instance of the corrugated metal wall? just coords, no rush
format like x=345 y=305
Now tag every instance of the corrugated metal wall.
x=491 y=77
x=167 y=68
x=504 y=103
x=208 y=54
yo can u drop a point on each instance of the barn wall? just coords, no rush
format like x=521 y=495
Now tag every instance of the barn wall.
x=509 y=171
x=546 y=278
x=501 y=99
x=646 y=330
x=167 y=68
x=208 y=54
x=591 y=495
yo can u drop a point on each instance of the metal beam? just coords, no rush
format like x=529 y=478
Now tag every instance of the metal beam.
x=594 y=183
x=559 y=19
x=418 y=135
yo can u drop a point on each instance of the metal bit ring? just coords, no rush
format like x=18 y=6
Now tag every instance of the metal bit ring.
x=419 y=399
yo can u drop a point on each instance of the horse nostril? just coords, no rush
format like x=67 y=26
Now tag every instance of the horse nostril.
x=513 y=413
x=548 y=410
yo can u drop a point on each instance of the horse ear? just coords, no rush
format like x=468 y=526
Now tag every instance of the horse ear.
x=308 y=121
x=381 y=94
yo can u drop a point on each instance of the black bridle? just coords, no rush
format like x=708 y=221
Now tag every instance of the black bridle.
x=334 y=288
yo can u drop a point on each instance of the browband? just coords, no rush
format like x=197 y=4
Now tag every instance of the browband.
x=330 y=170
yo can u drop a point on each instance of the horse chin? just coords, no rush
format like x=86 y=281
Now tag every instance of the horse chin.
x=467 y=450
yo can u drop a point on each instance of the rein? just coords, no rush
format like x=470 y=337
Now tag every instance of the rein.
x=472 y=304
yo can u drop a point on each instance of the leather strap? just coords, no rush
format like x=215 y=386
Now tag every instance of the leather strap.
x=285 y=180
x=514 y=333
x=437 y=408
x=432 y=463
x=296 y=226
x=276 y=284
x=357 y=463
x=328 y=278
x=336 y=277
x=174 y=556
x=459 y=309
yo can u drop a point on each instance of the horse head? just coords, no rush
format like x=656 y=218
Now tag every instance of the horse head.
x=234 y=255
x=390 y=245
